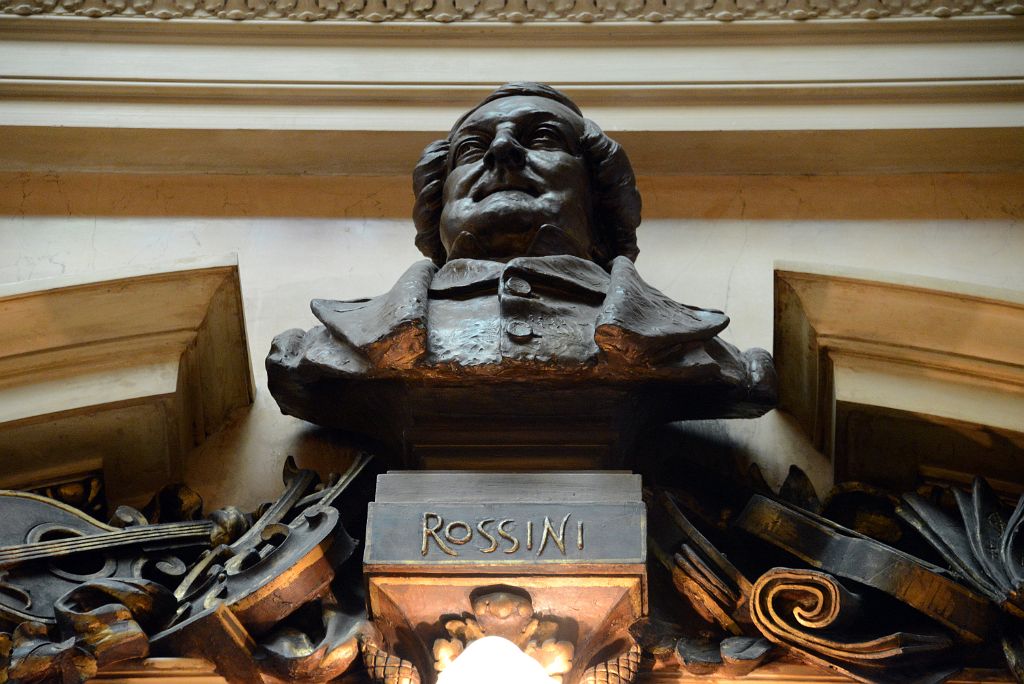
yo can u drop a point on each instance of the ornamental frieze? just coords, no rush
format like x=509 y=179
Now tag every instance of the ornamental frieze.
x=516 y=11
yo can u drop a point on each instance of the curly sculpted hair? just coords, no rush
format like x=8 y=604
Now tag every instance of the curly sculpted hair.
x=616 y=202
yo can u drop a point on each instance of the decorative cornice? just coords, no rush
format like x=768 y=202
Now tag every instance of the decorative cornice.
x=345 y=95
x=517 y=11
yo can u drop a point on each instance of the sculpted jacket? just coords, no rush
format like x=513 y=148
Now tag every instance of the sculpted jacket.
x=549 y=319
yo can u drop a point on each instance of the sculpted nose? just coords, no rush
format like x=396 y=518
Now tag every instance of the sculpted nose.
x=505 y=151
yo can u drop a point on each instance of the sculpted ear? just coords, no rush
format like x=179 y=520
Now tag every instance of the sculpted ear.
x=428 y=186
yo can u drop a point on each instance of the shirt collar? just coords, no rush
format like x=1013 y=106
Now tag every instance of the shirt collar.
x=464 y=276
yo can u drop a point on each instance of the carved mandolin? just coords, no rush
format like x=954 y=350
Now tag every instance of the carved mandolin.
x=48 y=548
x=277 y=566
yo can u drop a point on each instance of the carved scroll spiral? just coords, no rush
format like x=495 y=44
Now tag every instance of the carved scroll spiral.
x=620 y=670
x=810 y=613
x=383 y=667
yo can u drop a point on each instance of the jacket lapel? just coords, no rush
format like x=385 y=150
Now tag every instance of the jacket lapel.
x=639 y=324
x=390 y=329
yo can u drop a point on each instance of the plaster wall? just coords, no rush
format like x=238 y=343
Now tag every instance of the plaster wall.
x=706 y=240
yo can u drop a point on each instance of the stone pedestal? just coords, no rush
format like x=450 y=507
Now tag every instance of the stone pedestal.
x=553 y=562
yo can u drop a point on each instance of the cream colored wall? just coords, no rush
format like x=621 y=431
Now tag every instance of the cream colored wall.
x=706 y=240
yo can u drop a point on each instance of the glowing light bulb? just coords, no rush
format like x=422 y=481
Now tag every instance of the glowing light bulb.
x=496 y=661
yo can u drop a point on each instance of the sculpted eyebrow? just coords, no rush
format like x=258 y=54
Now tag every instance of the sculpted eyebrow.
x=531 y=120
x=472 y=129
x=536 y=118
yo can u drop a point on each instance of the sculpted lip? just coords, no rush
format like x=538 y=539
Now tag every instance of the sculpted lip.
x=511 y=185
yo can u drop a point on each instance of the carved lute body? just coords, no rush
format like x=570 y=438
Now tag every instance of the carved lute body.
x=48 y=548
x=278 y=565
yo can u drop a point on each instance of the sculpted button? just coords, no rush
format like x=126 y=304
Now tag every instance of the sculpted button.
x=517 y=286
x=520 y=331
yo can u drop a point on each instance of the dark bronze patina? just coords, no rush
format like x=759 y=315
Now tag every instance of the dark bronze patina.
x=526 y=340
x=528 y=212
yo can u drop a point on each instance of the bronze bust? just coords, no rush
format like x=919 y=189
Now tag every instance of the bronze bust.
x=528 y=213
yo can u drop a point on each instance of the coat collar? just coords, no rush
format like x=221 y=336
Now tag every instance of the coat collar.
x=636 y=323
x=461 y=277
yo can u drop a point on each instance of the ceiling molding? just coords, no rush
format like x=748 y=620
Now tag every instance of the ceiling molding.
x=516 y=11
x=122 y=375
x=191 y=95
x=66 y=149
x=992 y=26
x=450 y=98
x=398 y=64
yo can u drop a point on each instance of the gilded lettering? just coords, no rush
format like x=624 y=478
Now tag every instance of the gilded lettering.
x=429 y=532
x=493 y=536
x=482 y=529
x=505 y=534
x=559 y=539
x=455 y=524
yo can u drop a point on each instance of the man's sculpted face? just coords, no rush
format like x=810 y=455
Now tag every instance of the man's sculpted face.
x=515 y=166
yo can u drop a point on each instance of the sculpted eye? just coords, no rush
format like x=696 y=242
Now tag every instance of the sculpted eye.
x=547 y=137
x=468 y=150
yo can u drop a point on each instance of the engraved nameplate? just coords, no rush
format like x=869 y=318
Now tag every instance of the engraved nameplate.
x=506 y=533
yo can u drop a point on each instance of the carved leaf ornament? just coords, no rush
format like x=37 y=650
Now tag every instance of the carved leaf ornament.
x=840 y=613
x=503 y=624
x=511 y=617
x=983 y=547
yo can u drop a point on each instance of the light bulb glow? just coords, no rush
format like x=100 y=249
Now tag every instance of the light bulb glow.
x=496 y=661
